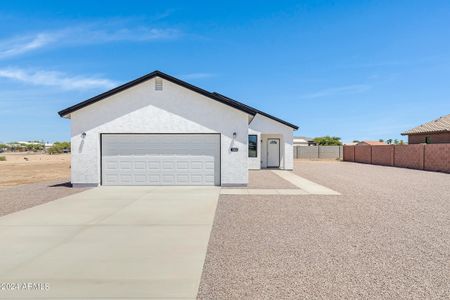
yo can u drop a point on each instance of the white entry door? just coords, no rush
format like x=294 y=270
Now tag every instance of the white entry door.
x=273 y=153
x=160 y=159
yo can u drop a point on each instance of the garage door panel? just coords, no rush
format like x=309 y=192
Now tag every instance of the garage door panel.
x=183 y=179
x=126 y=178
x=196 y=164
x=147 y=159
x=168 y=179
x=183 y=165
x=140 y=178
x=113 y=179
x=196 y=179
x=140 y=165
x=209 y=178
x=168 y=166
x=112 y=165
x=154 y=165
x=154 y=179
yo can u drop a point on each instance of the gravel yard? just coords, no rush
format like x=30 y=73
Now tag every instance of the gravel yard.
x=23 y=196
x=385 y=237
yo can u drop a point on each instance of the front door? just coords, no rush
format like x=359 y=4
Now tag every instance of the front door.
x=273 y=153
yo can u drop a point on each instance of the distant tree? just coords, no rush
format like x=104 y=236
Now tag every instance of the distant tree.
x=328 y=141
x=401 y=142
x=34 y=147
x=381 y=140
x=59 y=147
x=389 y=141
x=356 y=141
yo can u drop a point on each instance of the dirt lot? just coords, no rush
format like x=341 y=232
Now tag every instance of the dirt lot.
x=38 y=179
x=385 y=237
x=21 y=168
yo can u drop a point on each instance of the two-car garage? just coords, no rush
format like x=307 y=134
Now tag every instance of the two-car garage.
x=160 y=159
x=157 y=130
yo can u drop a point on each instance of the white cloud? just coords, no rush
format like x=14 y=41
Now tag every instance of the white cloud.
x=191 y=76
x=56 y=79
x=24 y=44
x=96 y=33
x=343 y=90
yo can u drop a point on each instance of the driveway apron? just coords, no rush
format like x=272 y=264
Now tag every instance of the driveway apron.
x=109 y=242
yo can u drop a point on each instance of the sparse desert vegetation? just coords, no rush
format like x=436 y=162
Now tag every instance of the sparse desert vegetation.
x=21 y=168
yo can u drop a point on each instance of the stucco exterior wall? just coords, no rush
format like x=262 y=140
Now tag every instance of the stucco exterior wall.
x=175 y=109
x=254 y=163
x=267 y=127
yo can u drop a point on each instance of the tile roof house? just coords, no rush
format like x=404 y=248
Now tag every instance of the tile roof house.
x=434 y=132
x=370 y=143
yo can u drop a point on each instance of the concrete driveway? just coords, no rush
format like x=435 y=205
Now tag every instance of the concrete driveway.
x=109 y=242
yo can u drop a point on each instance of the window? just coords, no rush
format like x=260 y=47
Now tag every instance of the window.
x=253 y=145
x=428 y=140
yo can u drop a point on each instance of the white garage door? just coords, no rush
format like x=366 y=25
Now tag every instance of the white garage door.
x=161 y=159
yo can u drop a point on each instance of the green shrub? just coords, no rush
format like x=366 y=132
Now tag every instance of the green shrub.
x=328 y=141
x=59 y=147
x=2 y=158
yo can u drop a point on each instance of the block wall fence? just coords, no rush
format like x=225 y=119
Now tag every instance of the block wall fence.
x=318 y=152
x=430 y=157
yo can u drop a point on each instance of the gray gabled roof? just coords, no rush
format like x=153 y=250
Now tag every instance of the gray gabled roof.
x=441 y=124
x=212 y=95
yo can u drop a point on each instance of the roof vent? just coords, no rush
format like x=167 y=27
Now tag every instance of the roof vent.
x=158 y=84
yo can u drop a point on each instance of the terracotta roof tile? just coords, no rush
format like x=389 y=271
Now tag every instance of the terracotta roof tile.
x=372 y=143
x=441 y=124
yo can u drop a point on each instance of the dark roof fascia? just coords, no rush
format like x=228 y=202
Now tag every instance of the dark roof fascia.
x=234 y=104
x=261 y=112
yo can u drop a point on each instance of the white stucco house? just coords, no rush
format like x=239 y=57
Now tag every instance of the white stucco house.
x=159 y=130
x=304 y=141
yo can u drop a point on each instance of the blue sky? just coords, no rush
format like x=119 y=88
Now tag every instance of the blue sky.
x=354 y=69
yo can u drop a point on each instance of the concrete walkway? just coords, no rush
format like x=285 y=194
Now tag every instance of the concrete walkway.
x=110 y=242
x=305 y=184
x=304 y=187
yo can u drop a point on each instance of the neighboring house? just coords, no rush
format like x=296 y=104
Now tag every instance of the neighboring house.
x=159 y=130
x=434 y=132
x=304 y=141
x=370 y=143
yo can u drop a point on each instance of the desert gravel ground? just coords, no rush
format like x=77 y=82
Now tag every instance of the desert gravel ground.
x=23 y=196
x=386 y=237
x=265 y=179
x=23 y=168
